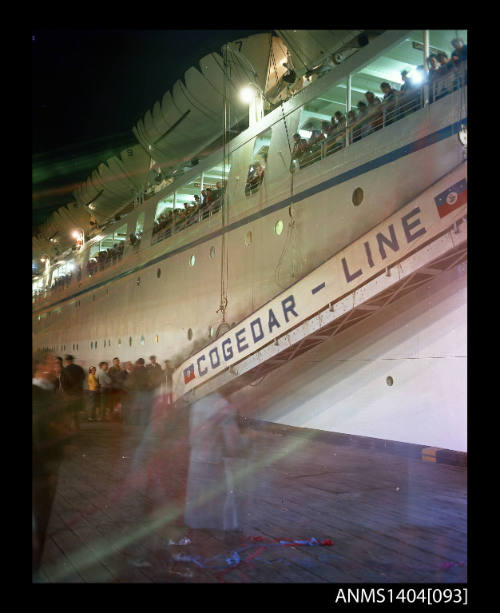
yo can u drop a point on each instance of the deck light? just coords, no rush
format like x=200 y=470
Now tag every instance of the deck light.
x=247 y=94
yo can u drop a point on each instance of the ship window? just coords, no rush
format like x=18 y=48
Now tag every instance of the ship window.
x=248 y=239
x=278 y=227
x=95 y=344
x=105 y=343
x=357 y=196
x=258 y=164
x=192 y=260
x=130 y=341
x=212 y=252
x=142 y=340
x=91 y=344
x=156 y=338
x=119 y=342
x=158 y=273
x=389 y=381
x=77 y=346
x=211 y=331
x=190 y=334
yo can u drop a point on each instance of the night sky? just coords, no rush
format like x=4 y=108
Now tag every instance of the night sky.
x=90 y=87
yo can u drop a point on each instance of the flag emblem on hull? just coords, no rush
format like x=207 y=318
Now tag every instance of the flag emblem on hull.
x=189 y=373
x=452 y=198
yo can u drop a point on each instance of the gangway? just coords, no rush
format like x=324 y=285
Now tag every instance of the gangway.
x=423 y=239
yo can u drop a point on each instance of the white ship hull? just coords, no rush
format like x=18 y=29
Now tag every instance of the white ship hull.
x=155 y=302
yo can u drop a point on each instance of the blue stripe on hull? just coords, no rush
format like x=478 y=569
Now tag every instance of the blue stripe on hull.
x=387 y=158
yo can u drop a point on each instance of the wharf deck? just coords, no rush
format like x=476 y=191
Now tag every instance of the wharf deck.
x=377 y=517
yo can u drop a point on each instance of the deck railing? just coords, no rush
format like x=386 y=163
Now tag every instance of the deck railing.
x=381 y=116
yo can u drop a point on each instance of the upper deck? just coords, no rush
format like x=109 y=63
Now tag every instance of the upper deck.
x=168 y=218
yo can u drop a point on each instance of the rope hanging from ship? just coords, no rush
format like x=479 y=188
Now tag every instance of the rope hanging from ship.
x=290 y=239
x=224 y=264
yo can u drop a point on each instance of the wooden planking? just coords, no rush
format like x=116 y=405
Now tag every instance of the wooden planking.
x=300 y=489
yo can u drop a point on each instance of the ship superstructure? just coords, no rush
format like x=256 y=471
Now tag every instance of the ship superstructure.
x=328 y=285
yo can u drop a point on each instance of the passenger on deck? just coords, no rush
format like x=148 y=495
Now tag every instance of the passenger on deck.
x=363 y=127
x=409 y=95
x=351 y=122
x=390 y=103
x=326 y=129
x=374 y=111
x=210 y=197
x=204 y=197
x=432 y=75
x=459 y=53
x=445 y=67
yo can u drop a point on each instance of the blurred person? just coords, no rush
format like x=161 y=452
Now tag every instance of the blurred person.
x=213 y=501
x=139 y=390
x=58 y=370
x=104 y=381
x=72 y=378
x=167 y=378
x=128 y=368
x=52 y=429
x=155 y=373
x=93 y=393
x=117 y=376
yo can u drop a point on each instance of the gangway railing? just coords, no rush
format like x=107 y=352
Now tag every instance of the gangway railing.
x=422 y=238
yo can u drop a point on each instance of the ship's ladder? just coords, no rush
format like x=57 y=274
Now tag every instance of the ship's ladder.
x=423 y=239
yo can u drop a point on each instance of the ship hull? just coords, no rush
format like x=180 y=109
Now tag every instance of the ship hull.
x=163 y=301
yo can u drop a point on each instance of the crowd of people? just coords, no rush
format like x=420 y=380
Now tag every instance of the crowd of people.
x=104 y=258
x=203 y=202
x=445 y=74
x=125 y=392
x=202 y=444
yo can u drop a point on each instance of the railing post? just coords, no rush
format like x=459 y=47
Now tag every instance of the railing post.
x=426 y=67
x=348 y=107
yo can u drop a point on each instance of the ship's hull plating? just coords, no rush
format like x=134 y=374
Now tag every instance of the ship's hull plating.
x=159 y=304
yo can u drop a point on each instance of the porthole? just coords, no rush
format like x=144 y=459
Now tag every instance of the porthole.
x=158 y=273
x=130 y=341
x=190 y=334
x=357 y=196
x=278 y=227
x=142 y=340
x=389 y=381
x=248 y=239
x=192 y=260
x=212 y=252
